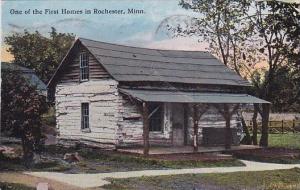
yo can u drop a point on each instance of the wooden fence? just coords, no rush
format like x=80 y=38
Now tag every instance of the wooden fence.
x=282 y=126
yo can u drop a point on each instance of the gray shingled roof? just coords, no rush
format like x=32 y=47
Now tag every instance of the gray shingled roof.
x=190 y=97
x=28 y=74
x=126 y=63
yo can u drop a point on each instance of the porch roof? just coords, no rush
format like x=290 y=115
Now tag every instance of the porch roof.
x=190 y=97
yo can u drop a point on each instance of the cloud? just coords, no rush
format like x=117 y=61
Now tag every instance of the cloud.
x=139 y=38
x=148 y=40
x=181 y=43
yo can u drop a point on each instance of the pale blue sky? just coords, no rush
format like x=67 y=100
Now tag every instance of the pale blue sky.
x=139 y=29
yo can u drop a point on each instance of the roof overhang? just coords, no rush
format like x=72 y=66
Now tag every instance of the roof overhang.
x=191 y=97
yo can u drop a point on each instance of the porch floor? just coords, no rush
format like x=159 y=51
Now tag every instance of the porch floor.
x=184 y=149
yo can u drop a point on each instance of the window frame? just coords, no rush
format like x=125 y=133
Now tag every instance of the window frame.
x=85 y=117
x=84 y=68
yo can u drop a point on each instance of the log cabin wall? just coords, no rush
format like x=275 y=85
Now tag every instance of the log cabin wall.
x=100 y=91
x=103 y=100
x=130 y=127
x=211 y=118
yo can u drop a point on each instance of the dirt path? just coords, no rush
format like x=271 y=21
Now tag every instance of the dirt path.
x=32 y=181
x=99 y=179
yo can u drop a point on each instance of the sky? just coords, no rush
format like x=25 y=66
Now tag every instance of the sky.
x=142 y=30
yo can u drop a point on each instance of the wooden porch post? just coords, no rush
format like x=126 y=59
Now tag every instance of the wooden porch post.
x=185 y=123
x=228 y=135
x=196 y=127
x=146 y=128
x=198 y=111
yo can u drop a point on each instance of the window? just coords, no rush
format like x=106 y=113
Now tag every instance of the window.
x=84 y=116
x=155 y=123
x=84 y=66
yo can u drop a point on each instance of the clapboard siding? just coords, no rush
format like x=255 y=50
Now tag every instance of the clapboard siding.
x=103 y=99
x=71 y=69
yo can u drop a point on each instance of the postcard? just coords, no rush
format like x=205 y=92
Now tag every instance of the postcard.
x=136 y=94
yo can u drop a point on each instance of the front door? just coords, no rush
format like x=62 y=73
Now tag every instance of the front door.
x=178 y=124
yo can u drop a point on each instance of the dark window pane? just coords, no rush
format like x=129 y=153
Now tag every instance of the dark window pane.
x=155 y=123
x=84 y=115
x=84 y=66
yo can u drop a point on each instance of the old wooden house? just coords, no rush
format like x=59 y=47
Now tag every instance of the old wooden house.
x=118 y=96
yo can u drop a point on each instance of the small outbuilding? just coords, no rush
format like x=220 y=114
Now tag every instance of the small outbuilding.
x=27 y=74
x=117 y=96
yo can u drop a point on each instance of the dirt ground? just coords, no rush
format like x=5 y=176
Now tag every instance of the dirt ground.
x=13 y=177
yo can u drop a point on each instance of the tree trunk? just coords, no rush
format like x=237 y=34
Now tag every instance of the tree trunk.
x=27 y=146
x=247 y=138
x=145 y=128
x=254 y=122
x=265 y=125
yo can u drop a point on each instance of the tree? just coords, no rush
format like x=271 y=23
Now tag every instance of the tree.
x=286 y=92
x=277 y=28
x=272 y=28
x=40 y=53
x=257 y=89
x=21 y=111
x=222 y=24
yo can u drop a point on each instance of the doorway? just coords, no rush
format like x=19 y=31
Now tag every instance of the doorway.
x=179 y=124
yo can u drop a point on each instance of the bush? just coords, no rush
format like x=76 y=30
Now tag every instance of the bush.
x=21 y=111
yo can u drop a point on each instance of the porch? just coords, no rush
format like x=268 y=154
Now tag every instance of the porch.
x=156 y=150
x=185 y=104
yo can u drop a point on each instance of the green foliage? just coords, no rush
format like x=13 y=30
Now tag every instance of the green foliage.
x=285 y=96
x=21 y=110
x=40 y=53
x=286 y=91
x=277 y=37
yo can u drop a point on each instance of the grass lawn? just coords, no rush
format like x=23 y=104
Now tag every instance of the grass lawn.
x=14 y=186
x=97 y=161
x=283 y=148
x=289 y=140
x=26 y=182
x=267 y=180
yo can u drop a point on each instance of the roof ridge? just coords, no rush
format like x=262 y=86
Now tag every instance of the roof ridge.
x=168 y=62
x=208 y=57
x=122 y=45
